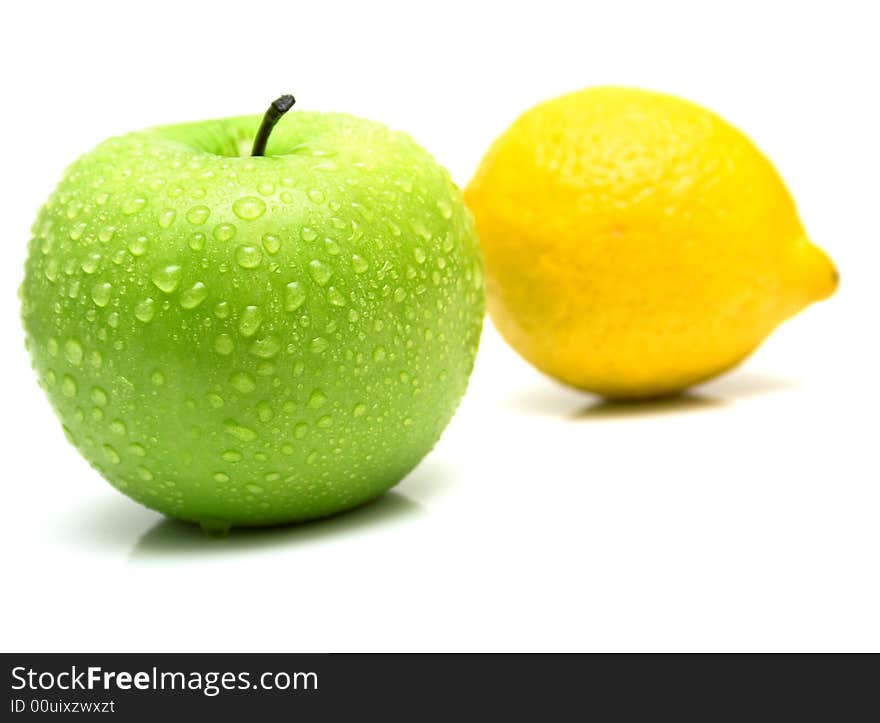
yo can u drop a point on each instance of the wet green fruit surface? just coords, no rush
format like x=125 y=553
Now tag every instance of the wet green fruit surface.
x=242 y=340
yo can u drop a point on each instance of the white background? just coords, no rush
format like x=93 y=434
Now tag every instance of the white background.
x=744 y=516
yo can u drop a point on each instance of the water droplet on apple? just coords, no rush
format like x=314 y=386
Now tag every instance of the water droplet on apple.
x=231 y=455
x=110 y=454
x=248 y=257
x=319 y=345
x=289 y=406
x=223 y=344
x=117 y=426
x=221 y=477
x=243 y=382
x=73 y=209
x=224 y=231
x=250 y=321
x=106 y=234
x=317 y=399
x=145 y=310
x=158 y=378
x=249 y=207
x=90 y=263
x=477 y=277
x=308 y=234
x=137 y=449
x=264 y=411
x=359 y=264
x=320 y=272
x=167 y=278
x=419 y=254
x=68 y=386
x=221 y=310
x=294 y=296
x=359 y=409
x=266 y=188
x=379 y=354
x=193 y=296
x=138 y=245
x=101 y=293
x=73 y=352
x=265 y=348
x=445 y=209
x=253 y=489
x=51 y=270
x=99 y=396
x=316 y=195
x=144 y=473
x=239 y=431
x=166 y=218
x=197 y=215
x=399 y=294
x=325 y=422
x=133 y=205
x=326 y=166
x=335 y=296
x=77 y=230
x=197 y=241
x=271 y=243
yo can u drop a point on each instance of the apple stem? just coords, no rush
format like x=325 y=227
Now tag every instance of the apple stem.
x=278 y=108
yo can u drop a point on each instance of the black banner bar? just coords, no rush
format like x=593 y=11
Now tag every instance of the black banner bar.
x=412 y=687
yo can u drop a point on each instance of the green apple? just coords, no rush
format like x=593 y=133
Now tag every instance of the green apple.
x=238 y=339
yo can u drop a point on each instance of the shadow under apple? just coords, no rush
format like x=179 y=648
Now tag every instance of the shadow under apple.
x=171 y=537
x=112 y=522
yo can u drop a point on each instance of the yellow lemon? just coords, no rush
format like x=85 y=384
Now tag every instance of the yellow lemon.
x=636 y=243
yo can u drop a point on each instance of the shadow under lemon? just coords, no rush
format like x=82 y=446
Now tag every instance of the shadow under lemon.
x=553 y=399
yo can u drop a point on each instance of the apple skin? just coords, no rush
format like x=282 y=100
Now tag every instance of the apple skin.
x=239 y=340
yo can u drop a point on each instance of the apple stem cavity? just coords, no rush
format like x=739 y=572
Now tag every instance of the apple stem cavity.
x=277 y=109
